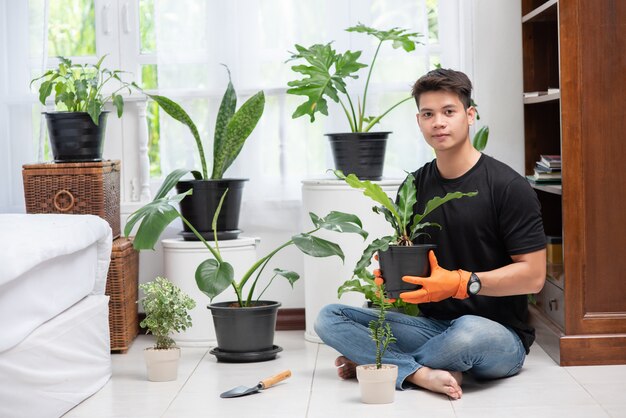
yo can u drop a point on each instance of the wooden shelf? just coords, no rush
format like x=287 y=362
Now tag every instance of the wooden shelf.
x=543 y=98
x=547 y=12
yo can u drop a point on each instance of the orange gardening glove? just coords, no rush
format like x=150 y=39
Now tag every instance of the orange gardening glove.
x=442 y=284
x=378 y=280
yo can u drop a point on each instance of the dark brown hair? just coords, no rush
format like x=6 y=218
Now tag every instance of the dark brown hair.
x=444 y=79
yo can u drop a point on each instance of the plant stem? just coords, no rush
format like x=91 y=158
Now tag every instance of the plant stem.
x=352 y=127
x=377 y=119
x=215 y=253
x=369 y=74
x=259 y=262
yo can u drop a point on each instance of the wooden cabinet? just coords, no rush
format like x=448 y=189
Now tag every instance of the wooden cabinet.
x=579 y=48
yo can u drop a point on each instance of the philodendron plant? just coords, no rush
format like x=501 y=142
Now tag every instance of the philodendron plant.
x=232 y=128
x=214 y=275
x=406 y=226
x=326 y=71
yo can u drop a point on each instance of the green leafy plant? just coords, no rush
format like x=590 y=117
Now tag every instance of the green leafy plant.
x=232 y=128
x=166 y=308
x=380 y=331
x=326 y=72
x=406 y=226
x=79 y=88
x=214 y=275
x=482 y=135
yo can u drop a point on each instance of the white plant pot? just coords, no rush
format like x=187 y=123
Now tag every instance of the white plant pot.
x=162 y=365
x=377 y=385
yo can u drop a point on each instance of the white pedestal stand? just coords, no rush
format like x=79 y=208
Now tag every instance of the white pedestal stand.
x=180 y=260
x=323 y=276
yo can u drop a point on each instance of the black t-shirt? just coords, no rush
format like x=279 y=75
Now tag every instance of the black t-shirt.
x=481 y=233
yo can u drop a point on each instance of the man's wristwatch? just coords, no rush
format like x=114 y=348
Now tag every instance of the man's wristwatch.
x=473 y=285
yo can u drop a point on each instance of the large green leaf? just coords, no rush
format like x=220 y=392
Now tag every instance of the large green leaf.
x=480 y=138
x=178 y=113
x=171 y=180
x=224 y=115
x=389 y=218
x=154 y=218
x=317 y=247
x=371 y=190
x=238 y=130
x=407 y=197
x=213 y=277
x=291 y=276
x=368 y=289
x=399 y=37
x=433 y=204
x=380 y=244
x=324 y=76
x=339 y=222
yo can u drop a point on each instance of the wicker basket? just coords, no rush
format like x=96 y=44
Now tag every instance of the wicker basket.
x=122 y=289
x=77 y=188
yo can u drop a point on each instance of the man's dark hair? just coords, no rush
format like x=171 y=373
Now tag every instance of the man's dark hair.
x=444 y=79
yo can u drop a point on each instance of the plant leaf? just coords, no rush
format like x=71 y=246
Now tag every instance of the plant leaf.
x=118 y=102
x=433 y=204
x=401 y=38
x=154 y=217
x=415 y=231
x=213 y=277
x=356 y=285
x=291 y=276
x=380 y=244
x=238 y=130
x=480 y=138
x=224 y=115
x=317 y=247
x=339 y=222
x=407 y=198
x=178 y=113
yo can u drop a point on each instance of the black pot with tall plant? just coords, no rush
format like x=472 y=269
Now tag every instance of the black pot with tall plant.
x=398 y=254
x=244 y=326
x=360 y=152
x=78 y=127
x=232 y=128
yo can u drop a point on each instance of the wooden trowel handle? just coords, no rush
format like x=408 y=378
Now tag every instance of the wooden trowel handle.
x=271 y=381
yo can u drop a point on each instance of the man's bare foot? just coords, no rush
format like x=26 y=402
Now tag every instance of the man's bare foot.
x=346 y=369
x=441 y=381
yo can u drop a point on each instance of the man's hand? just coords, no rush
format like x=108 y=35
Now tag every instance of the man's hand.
x=441 y=284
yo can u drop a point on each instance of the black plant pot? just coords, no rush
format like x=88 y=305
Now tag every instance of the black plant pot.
x=74 y=137
x=245 y=334
x=400 y=261
x=360 y=153
x=200 y=207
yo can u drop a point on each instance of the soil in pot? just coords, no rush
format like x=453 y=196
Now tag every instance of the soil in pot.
x=162 y=365
x=245 y=334
x=360 y=153
x=74 y=137
x=200 y=207
x=400 y=261
x=377 y=386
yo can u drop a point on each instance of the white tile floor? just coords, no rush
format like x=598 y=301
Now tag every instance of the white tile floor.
x=542 y=389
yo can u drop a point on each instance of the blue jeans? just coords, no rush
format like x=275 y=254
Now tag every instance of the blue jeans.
x=480 y=346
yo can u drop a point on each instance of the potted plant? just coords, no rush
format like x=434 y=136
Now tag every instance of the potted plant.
x=166 y=308
x=360 y=151
x=378 y=381
x=244 y=327
x=77 y=129
x=232 y=128
x=397 y=253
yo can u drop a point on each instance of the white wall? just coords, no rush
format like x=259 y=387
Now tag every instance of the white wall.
x=494 y=62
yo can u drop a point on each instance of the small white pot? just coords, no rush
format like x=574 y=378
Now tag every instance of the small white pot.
x=377 y=385
x=162 y=364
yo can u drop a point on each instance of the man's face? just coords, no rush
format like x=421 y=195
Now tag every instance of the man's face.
x=443 y=120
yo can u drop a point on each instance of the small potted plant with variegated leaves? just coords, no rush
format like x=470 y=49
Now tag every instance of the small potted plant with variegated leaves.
x=167 y=311
x=377 y=381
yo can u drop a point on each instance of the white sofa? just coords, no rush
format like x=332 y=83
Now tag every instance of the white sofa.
x=54 y=332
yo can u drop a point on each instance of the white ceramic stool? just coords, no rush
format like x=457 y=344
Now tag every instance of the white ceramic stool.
x=180 y=260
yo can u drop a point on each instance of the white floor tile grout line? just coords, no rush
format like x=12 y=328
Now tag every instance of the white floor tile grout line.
x=308 y=404
x=185 y=383
x=587 y=390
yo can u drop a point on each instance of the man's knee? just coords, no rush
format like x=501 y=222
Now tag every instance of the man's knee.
x=324 y=319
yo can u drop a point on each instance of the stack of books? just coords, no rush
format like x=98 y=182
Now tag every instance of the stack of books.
x=547 y=170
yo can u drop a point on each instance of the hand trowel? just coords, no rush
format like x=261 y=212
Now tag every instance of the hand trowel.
x=263 y=384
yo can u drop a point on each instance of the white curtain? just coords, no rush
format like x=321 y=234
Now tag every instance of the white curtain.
x=253 y=38
x=17 y=143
